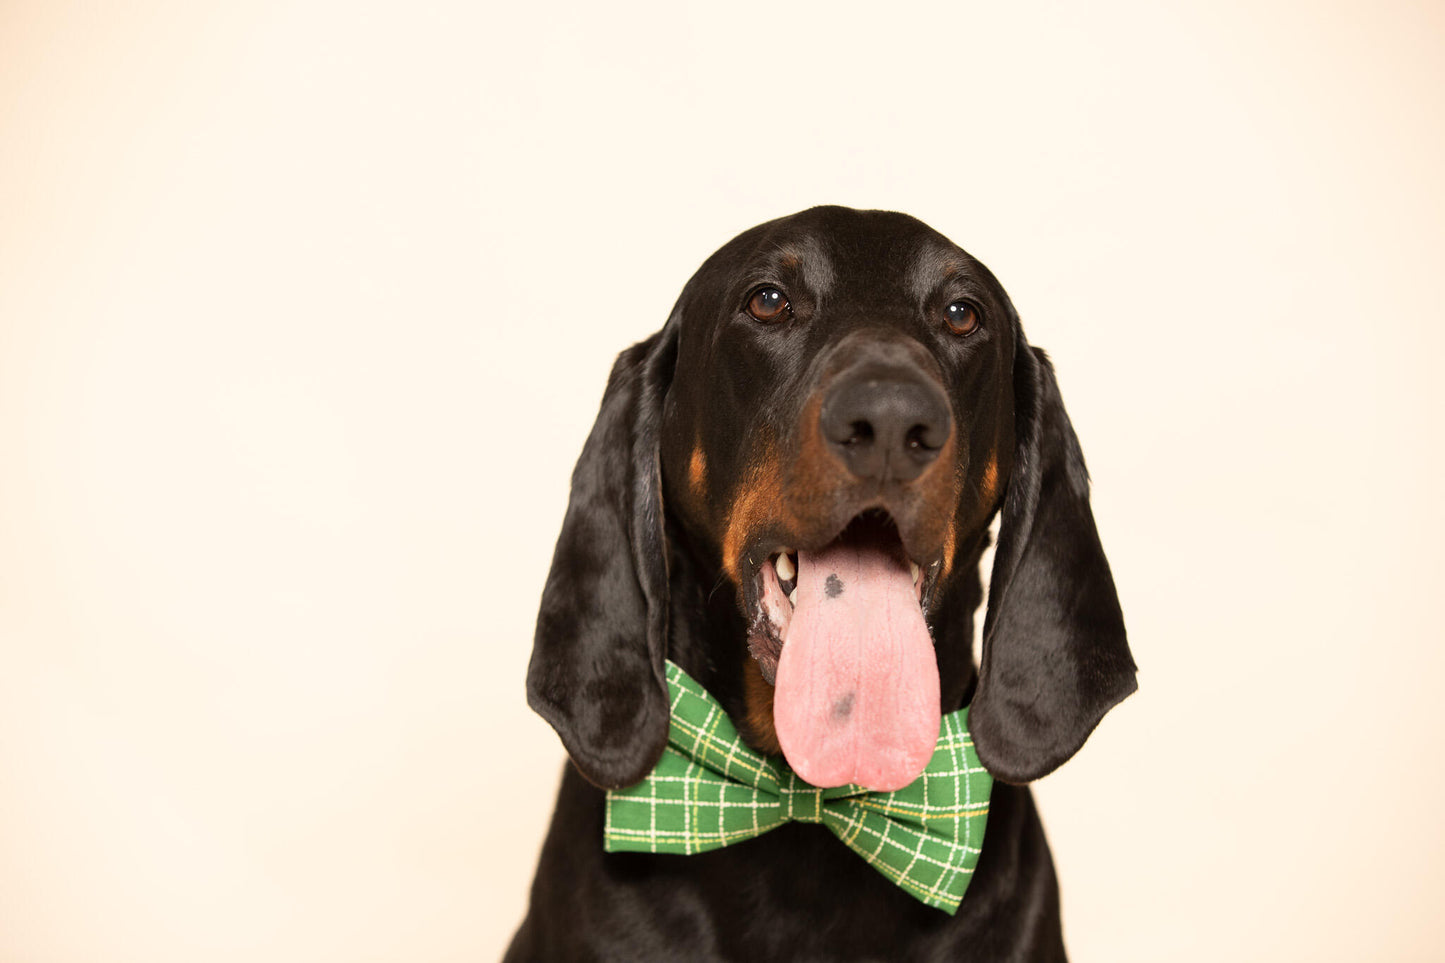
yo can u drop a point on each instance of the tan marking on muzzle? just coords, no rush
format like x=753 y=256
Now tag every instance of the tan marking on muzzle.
x=697 y=473
x=989 y=486
x=758 y=498
x=950 y=542
x=758 y=697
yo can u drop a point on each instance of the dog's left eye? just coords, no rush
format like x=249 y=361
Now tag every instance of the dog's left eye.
x=962 y=317
x=768 y=304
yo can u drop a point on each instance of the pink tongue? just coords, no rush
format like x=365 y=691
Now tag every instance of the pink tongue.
x=857 y=687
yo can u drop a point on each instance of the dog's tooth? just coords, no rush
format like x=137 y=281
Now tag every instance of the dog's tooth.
x=913 y=567
x=793 y=597
x=784 y=565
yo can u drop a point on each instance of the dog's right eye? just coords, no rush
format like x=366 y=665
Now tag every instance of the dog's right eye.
x=768 y=305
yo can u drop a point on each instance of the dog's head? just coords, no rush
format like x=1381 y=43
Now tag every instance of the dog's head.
x=820 y=434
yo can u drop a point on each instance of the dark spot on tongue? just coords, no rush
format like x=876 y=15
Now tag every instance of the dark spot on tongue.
x=844 y=706
x=834 y=586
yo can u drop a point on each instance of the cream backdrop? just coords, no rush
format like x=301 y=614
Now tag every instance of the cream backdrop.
x=306 y=308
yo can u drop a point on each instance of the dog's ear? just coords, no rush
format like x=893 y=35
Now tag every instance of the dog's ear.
x=597 y=670
x=1055 y=656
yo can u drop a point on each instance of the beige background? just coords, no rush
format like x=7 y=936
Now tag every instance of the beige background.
x=305 y=309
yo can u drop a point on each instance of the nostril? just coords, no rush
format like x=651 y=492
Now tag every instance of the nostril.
x=916 y=440
x=860 y=433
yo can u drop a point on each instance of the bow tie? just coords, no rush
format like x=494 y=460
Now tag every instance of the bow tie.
x=710 y=790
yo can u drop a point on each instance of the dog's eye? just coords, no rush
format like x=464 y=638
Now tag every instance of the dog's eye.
x=962 y=317
x=768 y=304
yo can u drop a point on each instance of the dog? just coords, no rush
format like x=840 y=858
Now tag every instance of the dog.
x=843 y=392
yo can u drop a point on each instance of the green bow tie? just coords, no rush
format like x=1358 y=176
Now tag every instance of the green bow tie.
x=710 y=790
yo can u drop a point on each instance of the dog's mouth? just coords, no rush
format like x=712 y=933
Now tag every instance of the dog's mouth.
x=840 y=632
x=776 y=581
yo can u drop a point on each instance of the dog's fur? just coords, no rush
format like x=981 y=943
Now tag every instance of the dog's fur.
x=706 y=459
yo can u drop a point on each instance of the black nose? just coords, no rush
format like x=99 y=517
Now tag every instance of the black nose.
x=886 y=424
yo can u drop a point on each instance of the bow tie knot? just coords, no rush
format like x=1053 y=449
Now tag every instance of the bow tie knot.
x=711 y=790
x=801 y=802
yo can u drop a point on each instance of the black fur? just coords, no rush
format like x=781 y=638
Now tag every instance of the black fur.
x=639 y=575
x=597 y=665
x=1055 y=657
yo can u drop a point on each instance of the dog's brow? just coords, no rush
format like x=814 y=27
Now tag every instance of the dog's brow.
x=807 y=256
x=931 y=268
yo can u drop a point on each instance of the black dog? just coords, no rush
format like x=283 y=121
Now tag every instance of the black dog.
x=835 y=378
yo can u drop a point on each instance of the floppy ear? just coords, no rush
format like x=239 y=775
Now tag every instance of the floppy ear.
x=597 y=659
x=1055 y=656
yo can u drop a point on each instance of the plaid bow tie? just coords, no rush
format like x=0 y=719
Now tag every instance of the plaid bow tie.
x=710 y=790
